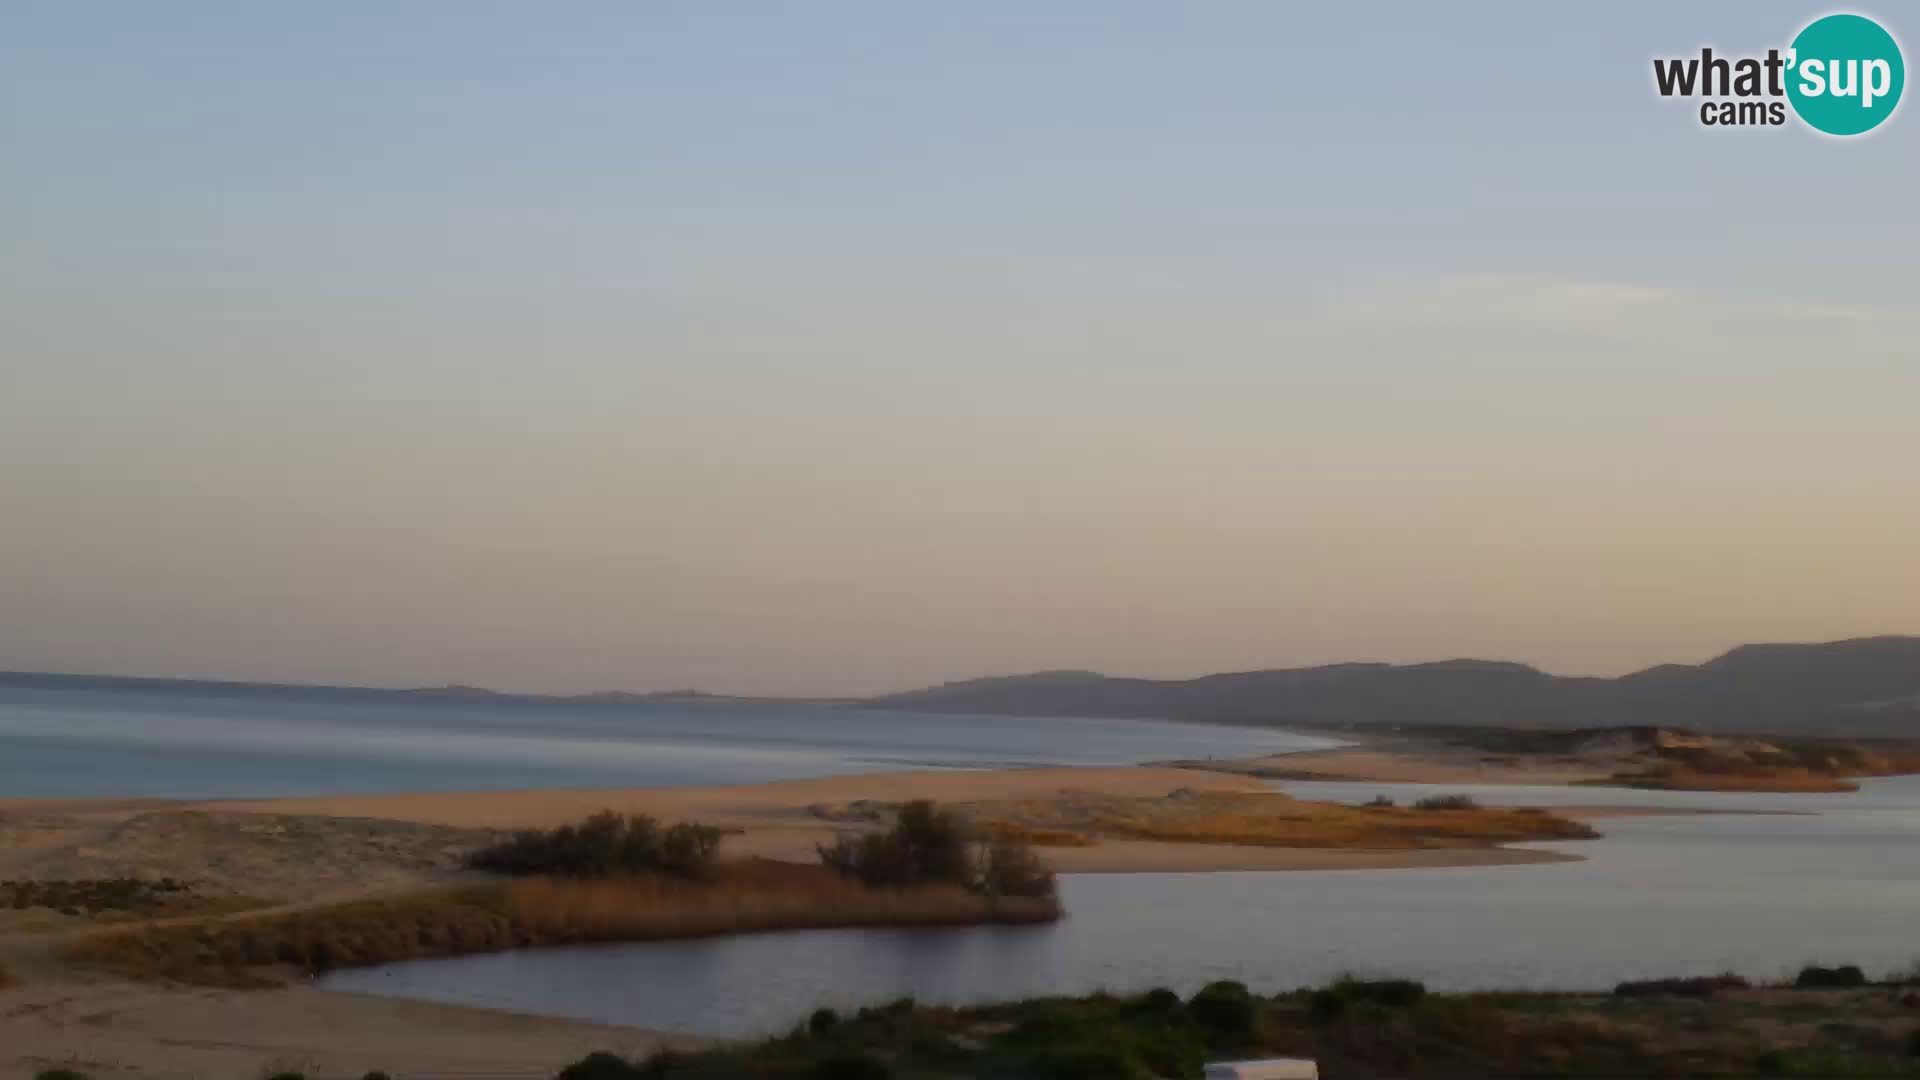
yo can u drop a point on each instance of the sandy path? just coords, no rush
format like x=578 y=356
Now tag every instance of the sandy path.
x=114 y=1029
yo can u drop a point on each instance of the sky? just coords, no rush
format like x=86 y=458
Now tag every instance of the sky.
x=834 y=349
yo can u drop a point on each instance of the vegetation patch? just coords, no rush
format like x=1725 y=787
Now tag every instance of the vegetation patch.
x=604 y=845
x=118 y=898
x=677 y=899
x=1688 y=986
x=1846 y=976
x=1378 y=1028
x=929 y=845
x=1447 y=802
x=1271 y=819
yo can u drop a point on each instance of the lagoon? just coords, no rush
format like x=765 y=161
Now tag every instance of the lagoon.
x=1835 y=879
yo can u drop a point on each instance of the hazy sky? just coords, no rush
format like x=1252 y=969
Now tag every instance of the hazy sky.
x=831 y=348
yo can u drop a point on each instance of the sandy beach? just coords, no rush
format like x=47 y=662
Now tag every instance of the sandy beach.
x=121 y=1029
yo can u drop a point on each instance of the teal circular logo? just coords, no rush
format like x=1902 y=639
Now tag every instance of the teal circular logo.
x=1845 y=74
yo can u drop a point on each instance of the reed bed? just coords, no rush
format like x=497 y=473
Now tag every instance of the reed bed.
x=749 y=897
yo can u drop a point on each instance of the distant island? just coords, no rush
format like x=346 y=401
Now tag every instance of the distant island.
x=1858 y=688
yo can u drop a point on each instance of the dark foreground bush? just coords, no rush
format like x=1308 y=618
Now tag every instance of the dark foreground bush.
x=1333 y=1002
x=1691 y=986
x=931 y=846
x=602 y=1066
x=1814 y=977
x=852 y=1066
x=1088 y=1063
x=1225 y=1009
x=604 y=845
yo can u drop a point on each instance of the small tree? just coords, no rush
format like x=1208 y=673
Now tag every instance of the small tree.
x=928 y=845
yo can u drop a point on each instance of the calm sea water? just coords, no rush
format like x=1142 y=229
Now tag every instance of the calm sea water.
x=62 y=742
x=1835 y=880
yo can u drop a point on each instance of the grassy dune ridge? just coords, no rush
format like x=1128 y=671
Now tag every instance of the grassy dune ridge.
x=744 y=897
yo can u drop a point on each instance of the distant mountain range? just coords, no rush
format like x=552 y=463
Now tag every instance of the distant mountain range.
x=1862 y=688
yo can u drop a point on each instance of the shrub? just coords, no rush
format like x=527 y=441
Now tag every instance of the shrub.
x=1325 y=1006
x=604 y=845
x=1223 y=1008
x=59 y=1074
x=601 y=1065
x=1162 y=999
x=376 y=1075
x=852 y=1066
x=1008 y=869
x=927 y=846
x=1691 y=986
x=1388 y=993
x=1815 y=977
x=1380 y=802
x=1447 y=802
x=1088 y=1063
x=1913 y=1044
x=822 y=1021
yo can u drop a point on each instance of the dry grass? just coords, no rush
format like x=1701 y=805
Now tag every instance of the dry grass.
x=739 y=898
x=1012 y=832
x=1275 y=820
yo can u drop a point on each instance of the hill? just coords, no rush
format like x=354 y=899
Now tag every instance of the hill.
x=1861 y=688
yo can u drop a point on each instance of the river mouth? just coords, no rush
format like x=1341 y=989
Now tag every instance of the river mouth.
x=1760 y=894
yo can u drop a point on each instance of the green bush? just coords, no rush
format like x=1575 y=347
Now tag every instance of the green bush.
x=1691 y=986
x=1325 y=1006
x=1815 y=977
x=1387 y=993
x=1223 y=1009
x=1161 y=1000
x=601 y=1065
x=604 y=845
x=931 y=846
x=1009 y=869
x=1088 y=1063
x=852 y=1066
